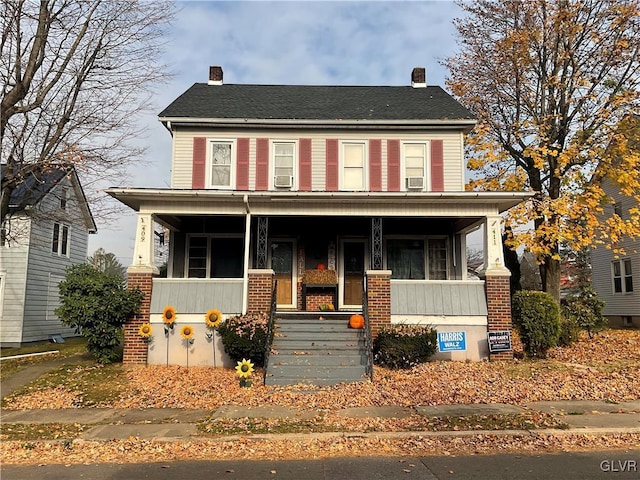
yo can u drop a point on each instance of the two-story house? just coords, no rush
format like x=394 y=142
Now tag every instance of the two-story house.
x=362 y=186
x=47 y=230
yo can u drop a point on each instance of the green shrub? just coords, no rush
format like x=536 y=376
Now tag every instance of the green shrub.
x=244 y=337
x=404 y=346
x=97 y=304
x=569 y=330
x=536 y=315
x=585 y=310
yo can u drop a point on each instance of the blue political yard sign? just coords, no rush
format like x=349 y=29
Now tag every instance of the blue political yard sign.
x=452 y=341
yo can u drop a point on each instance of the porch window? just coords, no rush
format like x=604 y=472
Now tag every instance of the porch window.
x=405 y=259
x=353 y=166
x=221 y=164
x=414 y=156
x=283 y=164
x=622 y=276
x=437 y=259
x=215 y=257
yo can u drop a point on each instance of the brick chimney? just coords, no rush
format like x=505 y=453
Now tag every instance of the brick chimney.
x=419 y=77
x=215 y=75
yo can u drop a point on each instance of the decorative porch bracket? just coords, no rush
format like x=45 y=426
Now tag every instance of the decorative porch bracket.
x=376 y=243
x=261 y=253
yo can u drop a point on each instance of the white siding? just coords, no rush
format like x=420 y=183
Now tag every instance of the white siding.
x=617 y=304
x=45 y=268
x=452 y=148
x=13 y=267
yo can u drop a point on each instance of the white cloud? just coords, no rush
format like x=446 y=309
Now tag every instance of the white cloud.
x=326 y=43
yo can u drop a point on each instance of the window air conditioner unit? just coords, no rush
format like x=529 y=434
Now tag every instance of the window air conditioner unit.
x=415 y=183
x=283 y=181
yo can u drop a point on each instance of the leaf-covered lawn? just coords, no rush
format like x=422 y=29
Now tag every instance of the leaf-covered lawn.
x=604 y=368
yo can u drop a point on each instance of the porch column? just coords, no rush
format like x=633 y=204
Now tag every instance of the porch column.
x=260 y=290
x=379 y=299
x=376 y=243
x=496 y=277
x=140 y=275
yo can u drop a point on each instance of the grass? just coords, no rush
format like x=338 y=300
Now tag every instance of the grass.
x=320 y=424
x=26 y=432
x=71 y=347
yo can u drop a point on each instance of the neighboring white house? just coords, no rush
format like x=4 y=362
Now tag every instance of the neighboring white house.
x=616 y=278
x=48 y=226
x=278 y=182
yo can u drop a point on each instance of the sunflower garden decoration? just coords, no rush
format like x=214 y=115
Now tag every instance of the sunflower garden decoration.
x=168 y=317
x=186 y=332
x=146 y=332
x=244 y=371
x=212 y=319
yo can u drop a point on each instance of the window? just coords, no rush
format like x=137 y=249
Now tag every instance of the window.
x=414 y=156
x=617 y=209
x=622 y=276
x=353 y=166
x=215 y=257
x=221 y=173
x=283 y=164
x=417 y=259
x=63 y=199
x=60 y=241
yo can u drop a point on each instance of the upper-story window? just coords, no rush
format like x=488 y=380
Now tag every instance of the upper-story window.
x=60 y=240
x=353 y=171
x=622 y=276
x=414 y=161
x=63 y=198
x=221 y=166
x=284 y=161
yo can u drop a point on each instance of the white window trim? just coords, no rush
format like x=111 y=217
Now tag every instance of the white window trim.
x=427 y=165
x=623 y=276
x=60 y=237
x=365 y=165
x=425 y=239
x=209 y=164
x=208 y=236
x=272 y=164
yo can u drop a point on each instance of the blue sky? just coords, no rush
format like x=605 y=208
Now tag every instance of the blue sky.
x=277 y=42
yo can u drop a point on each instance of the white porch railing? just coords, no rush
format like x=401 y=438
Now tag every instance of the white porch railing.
x=434 y=297
x=197 y=295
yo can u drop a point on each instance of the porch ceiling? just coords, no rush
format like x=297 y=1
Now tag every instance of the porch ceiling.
x=172 y=202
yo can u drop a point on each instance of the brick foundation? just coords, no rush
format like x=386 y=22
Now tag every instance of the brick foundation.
x=135 y=347
x=260 y=290
x=499 y=309
x=379 y=299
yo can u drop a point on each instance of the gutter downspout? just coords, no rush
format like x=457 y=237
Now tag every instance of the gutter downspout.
x=247 y=242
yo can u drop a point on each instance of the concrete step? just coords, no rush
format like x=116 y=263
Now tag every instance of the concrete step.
x=315 y=335
x=290 y=346
x=314 y=327
x=319 y=359
x=319 y=382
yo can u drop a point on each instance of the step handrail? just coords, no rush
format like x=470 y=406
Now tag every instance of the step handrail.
x=368 y=337
x=270 y=331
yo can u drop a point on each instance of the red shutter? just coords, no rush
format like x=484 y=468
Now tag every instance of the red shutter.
x=305 y=164
x=332 y=165
x=437 y=166
x=375 y=165
x=242 y=164
x=199 y=162
x=262 y=164
x=393 y=165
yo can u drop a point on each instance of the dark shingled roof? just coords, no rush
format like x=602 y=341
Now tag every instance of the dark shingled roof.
x=316 y=103
x=35 y=185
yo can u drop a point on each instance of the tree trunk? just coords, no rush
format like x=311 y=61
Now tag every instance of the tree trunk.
x=550 y=275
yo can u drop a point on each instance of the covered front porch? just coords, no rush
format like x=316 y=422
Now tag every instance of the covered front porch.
x=406 y=253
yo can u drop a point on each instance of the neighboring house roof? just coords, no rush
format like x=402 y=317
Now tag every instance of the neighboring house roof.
x=403 y=104
x=38 y=182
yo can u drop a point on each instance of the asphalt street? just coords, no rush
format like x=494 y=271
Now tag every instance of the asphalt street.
x=566 y=466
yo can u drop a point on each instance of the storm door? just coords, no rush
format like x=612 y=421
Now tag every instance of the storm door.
x=283 y=265
x=353 y=265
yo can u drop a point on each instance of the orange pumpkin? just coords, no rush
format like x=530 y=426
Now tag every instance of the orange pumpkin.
x=356 y=321
x=321 y=266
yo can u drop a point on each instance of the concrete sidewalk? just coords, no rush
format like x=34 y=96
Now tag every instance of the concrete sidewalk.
x=170 y=424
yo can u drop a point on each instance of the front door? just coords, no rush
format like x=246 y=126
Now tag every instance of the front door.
x=353 y=263
x=282 y=263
